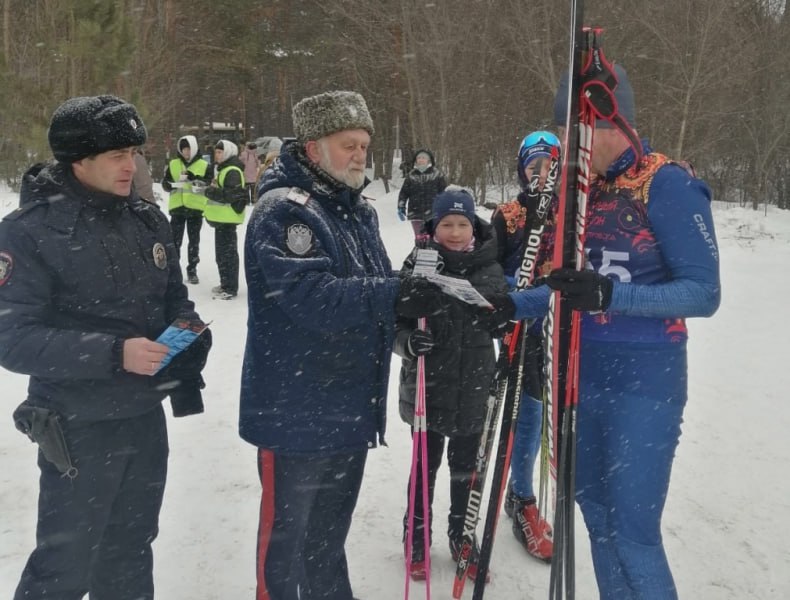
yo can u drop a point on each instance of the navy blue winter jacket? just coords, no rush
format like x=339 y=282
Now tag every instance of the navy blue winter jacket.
x=84 y=271
x=321 y=295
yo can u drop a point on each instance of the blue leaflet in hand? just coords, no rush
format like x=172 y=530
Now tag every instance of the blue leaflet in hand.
x=178 y=336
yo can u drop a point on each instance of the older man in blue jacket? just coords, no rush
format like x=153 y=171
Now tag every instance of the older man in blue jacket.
x=322 y=298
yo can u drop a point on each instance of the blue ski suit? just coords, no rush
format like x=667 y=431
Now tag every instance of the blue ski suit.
x=650 y=229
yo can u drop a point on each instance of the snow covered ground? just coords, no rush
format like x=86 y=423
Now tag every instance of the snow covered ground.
x=727 y=521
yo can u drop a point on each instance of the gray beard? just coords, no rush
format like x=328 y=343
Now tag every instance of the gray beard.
x=352 y=180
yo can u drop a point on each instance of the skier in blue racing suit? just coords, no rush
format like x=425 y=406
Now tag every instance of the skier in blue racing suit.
x=652 y=261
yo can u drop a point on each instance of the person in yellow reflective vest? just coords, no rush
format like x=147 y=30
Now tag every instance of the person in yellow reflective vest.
x=224 y=211
x=186 y=176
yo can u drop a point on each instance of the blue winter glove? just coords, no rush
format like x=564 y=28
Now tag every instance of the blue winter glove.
x=401 y=214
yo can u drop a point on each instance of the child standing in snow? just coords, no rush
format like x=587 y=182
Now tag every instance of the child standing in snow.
x=459 y=360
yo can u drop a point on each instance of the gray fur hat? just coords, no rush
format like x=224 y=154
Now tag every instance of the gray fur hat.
x=90 y=125
x=318 y=116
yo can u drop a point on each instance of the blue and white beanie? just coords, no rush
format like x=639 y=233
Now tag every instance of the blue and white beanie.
x=454 y=200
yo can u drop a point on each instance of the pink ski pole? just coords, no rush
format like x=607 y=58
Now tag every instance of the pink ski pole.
x=419 y=448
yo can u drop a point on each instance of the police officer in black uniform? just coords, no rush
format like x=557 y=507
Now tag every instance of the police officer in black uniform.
x=89 y=278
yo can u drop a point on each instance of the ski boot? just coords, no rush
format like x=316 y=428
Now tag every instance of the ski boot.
x=510 y=500
x=417 y=566
x=531 y=529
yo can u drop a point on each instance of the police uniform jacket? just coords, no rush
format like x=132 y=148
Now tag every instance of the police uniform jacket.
x=321 y=296
x=80 y=272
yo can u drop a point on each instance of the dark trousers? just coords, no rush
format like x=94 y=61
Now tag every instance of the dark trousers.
x=461 y=453
x=251 y=192
x=306 y=507
x=226 y=249
x=192 y=223
x=95 y=531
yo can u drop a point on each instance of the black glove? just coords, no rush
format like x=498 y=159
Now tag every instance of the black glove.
x=188 y=364
x=191 y=176
x=186 y=399
x=582 y=290
x=418 y=297
x=503 y=312
x=420 y=342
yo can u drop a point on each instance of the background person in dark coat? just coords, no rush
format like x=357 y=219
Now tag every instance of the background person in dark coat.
x=459 y=359
x=90 y=277
x=321 y=296
x=422 y=184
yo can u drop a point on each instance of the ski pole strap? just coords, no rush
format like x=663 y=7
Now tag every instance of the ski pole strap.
x=599 y=82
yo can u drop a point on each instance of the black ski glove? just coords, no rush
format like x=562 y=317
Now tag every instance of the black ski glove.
x=420 y=342
x=418 y=297
x=188 y=364
x=582 y=290
x=186 y=399
x=496 y=319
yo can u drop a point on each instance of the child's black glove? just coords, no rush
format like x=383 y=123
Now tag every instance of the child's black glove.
x=420 y=342
x=582 y=290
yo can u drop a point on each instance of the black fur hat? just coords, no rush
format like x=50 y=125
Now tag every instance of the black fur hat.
x=90 y=125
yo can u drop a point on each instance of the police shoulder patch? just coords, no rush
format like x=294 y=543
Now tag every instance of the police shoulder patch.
x=160 y=255
x=299 y=239
x=6 y=266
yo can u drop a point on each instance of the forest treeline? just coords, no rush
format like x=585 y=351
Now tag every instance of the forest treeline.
x=467 y=78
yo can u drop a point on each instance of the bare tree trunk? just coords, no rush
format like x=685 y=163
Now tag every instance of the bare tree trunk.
x=7 y=31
